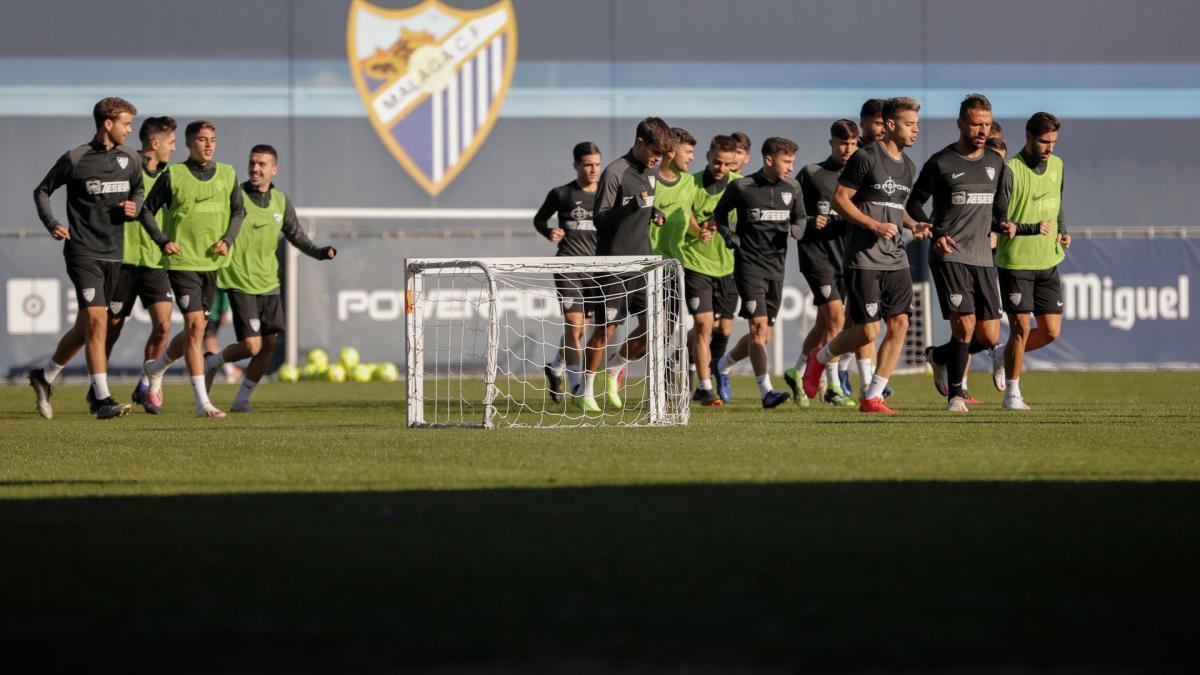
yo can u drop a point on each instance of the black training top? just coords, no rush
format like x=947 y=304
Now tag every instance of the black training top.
x=883 y=186
x=621 y=217
x=574 y=207
x=767 y=214
x=964 y=195
x=818 y=182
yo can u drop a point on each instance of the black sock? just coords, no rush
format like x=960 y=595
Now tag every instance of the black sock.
x=977 y=346
x=717 y=346
x=941 y=353
x=956 y=366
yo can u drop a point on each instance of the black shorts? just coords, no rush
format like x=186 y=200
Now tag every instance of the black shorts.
x=95 y=280
x=824 y=278
x=134 y=282
x=1037 y=291
x=704 y=294
x=878 y=294
x=574 y=292
x=760 y=295
x=616 y=296
x=194 y=291
x=966 y=289
x=256 y=315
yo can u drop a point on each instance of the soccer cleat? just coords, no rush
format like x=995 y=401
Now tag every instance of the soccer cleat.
x=833 y=397
x=42 y=390
x=108 y=408
x=1014 y=403
x=875 y=405
x=150 y=403
x=939 y=373
x=241 y=407
x=708 y=397
x=844 y=381
x=155 y=380
x=93 y=404
x=210 y=374
x=724 y=389
x=587 y=404
x=210 y=410
x=802 y=401
x=812 y=375
x=774 y=398
x=612 y=390
x=969 y=399
x=957 y=405
x=998 y=381
x=792 y=378
x=554 y=383
x=887 y=391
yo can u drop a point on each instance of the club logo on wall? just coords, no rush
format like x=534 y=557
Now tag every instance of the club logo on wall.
x=432 y=78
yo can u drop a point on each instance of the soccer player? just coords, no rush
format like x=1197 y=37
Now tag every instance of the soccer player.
x=963 y=179
x=203 y=213
x=623 y=215
x=770 y=208
x=822 y=258
x=252 y=275
x=709 y=290
x=575 y=235
x=870 y=121
x=104 y=188
x=674 y=191
x=1037 y=242
x=871 y=195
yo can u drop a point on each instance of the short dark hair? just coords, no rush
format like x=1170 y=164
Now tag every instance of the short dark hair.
x=264 y=149
x=584 y=149
x=722 y=143
x=742 y=140
x=973 y=102
x=997 y=131
x=893 y=106
x=873 y=107
x=1042 y=122
x=682 y=137
x=196 y=126
x=996 y=143
x=654 y=132
x=154 y=126
x=776 y=145
x=843 y=130
x=110 y=109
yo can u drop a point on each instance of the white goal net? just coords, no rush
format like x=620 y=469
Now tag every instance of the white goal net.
x=481 y=331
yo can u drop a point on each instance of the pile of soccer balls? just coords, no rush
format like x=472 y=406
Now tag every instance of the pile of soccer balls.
x=349 y=366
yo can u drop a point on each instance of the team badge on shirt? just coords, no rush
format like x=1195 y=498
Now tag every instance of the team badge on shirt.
x=432 y=78
x=991 y=172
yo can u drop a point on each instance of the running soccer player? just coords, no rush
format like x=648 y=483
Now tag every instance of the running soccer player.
x=963 y=179
x=822 y=258
x=623 y=215
x=104 y=188
x=871 y=194
x=203 y=211
x=1028 y=258
x=575 y=235
x=674 y=192
x=709 y=289
x=252 y=275
x=770 y=208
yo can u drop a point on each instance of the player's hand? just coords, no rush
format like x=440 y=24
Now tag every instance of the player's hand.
x=657 y=217
x=922 y=230
x=170 y=248
x=1009 y=229
x=1045 y=227
x=130 y=208
x=60 y=233
x=1065 y=240
x=644 y=198
x=944 y=245
x=885 y=230
x=706 y=235
x=556 y=235
x=992 y=240
x=731 y=241
x=221 y=248
x=821 y=222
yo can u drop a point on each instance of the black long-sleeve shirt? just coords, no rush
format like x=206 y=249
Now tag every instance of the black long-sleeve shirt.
x=574 y=207
x=621 y=216
x=161 y=197
x=292 y=230
x=768 y=212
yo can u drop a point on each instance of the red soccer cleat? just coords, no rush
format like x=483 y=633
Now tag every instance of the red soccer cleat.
x=969 y=399
x=812 y=375
x=875 y=405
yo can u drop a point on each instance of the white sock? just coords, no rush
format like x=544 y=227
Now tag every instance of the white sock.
x=706 y=384
x=160 y=365
x=831 y=376
x=100 y=386
x=51 y=370
x=964 y=383
x=230 y=369
x=726 y=363
x=573 y=376
x=200 y=391
x=801 y=362
x=556 y=365
x=589 y=383
x=866 y=371
x=824 y=356
x=244 y=391
x=878 y=384
x=616 y=365
x=764 y=384
x=845 y=361
x=1013 y=388
x=213 y=360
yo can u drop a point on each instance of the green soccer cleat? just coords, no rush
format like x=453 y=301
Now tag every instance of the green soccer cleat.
x=835 y=397
x=792 y=378
x=612 y=390
x=586 y=404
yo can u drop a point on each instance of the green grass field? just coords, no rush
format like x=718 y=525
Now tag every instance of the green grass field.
x=321 y=535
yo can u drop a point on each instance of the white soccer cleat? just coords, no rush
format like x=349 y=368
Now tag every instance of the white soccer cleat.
x=210 y=410
x=1014 y=403
x=997 y=354
x=957 y=405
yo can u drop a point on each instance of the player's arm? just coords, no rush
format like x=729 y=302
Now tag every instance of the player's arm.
x=1000 y=201
x=541 y=219
x=609 y=210
x=237 y=213
x=730 y=200
x=150 y=225
x=852 y=176
x=1063 y=237
x=799 y=220
x=137 y=193
x=58 y=175
x=160 y=195
x=915 y=217
x=296 y=236
x=815 y=221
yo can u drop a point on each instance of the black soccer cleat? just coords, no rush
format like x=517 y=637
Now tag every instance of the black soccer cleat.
x=554 y=383
x=708 y=397
x=108 y=408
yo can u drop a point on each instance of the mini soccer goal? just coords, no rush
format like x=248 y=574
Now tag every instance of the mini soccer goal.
x=481 y=331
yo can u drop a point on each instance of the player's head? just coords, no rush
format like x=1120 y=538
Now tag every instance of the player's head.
x=870 y=118
x=683 y=150
x=975 y=120
x=902 y=120
x=587 y=163
x=843 y=140
x=743 y=148
x=722 y=156
x=114 y=118
x=652 y=142
x=158 y=138
x=779 y=156
x=995 y=139
x=1041 y=135
x=201 y=139
x=264 y=165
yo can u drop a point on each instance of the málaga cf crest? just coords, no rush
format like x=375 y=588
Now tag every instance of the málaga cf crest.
x=432 y=78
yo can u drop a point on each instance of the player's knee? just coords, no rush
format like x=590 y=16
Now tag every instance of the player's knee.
x=1052 y=332
x=871 y=330
x=898 y=324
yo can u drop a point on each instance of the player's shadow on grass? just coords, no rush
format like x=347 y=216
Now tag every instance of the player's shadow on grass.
x=842 y=577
